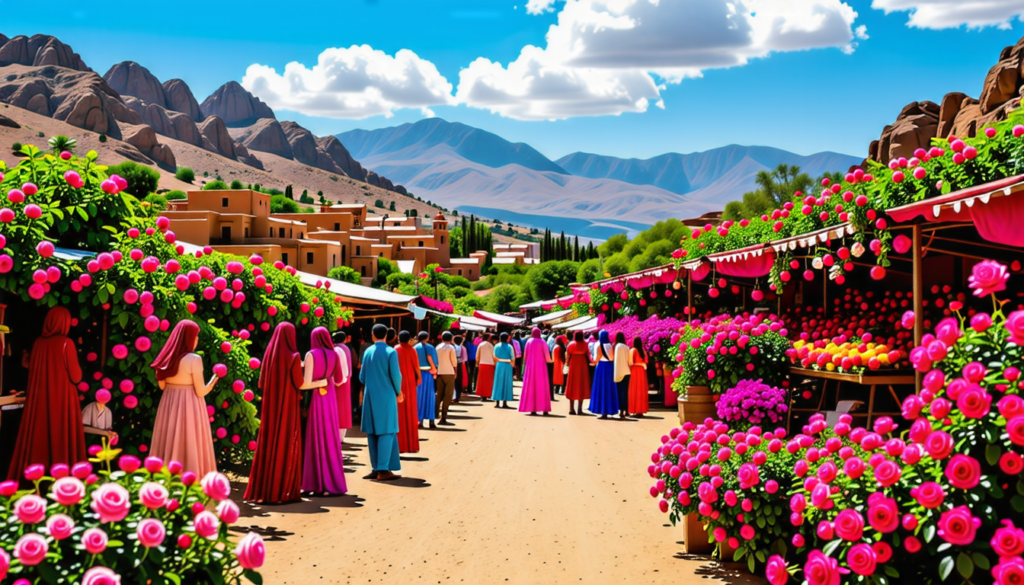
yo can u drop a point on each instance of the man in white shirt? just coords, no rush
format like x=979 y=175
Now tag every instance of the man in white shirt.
x=447 y=366
x=485 y=367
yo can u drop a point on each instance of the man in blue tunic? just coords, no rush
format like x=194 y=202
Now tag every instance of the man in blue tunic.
x=382 y=391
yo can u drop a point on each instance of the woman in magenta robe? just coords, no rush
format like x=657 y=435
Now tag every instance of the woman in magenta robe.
x=536 y=394
x=51 y=428
x=323 y=467
x=344 y=391
x=276 y=475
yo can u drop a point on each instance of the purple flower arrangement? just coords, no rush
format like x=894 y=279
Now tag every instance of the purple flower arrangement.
x=751 y=402
x=655 y=333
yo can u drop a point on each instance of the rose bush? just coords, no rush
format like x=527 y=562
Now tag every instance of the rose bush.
x=751 y=402
x=144 y=522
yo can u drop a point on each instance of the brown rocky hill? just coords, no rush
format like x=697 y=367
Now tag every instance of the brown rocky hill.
x=958 y=114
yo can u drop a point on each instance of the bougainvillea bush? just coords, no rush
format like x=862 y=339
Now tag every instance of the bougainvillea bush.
x=752 y=402
x=655 y=333
x=936 y=498
x=141 y=281
x=145 y=522
x=730 y=349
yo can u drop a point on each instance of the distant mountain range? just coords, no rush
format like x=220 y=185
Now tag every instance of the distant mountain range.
x=475 y=171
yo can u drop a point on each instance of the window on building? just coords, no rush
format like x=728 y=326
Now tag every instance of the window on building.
x=421 y=243
x=334 y=260
x=225 y=232
x=309 y=257
x=344 y=251
x=381 y=254
x=362 y=270
x=460 y=272
x=284 y=258
x=247 y=232
x=337 y=227
x=271 y=231
x=290 y=232
x=280 y=232
x=223 y=201
x=359 y=250
x=300 y=235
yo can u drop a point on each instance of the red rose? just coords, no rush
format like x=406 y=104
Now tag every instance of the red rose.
x=821 y=570
x=862 y=559
x=963 y=471
x=884 y=515
x=887 y=473
x=1009 y=571
x=957 y=526
x=1008 y=541
x=776 y=571
x=1011 y=463
x=929 y=494
x=1015 y=428
x=849 y=525
x=939 y=444
x=974 y=402
x=1015 y=325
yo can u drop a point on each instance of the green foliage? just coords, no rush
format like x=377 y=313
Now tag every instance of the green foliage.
x=589 y=271
x=616 y=265
x=103 y=138
x=142 y=180
x=16 y=147
x=773 y=189
x=185 y=174
x=391 y=207
x=379 y=204
x=613 y=245
x=506 y=298
x=551 y=279
x=281 y=204
x=344 y=274
x=59 y=144
x=288 y=192
x=157 y=203
x=455 y=249
x=237 y=185
x=175 y=195
x=215 y=186
x=385 y=268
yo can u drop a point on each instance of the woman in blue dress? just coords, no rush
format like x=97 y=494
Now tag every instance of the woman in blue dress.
x=425 y=391
x=604 y=394
x=504 y=356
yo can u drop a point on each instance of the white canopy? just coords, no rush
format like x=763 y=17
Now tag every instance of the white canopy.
x=551 y=318
x=585 y=326
x=573 y=322
x=496 y=318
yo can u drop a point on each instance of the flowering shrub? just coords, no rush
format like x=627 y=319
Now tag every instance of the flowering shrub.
x=752 y=402
x=941 y=497
x=658 y=335
x=730 y=349
x=146 y=522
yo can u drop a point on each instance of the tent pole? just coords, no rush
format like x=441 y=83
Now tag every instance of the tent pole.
x=689 y=295
x=918 y=293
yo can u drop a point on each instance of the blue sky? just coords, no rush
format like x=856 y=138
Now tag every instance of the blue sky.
x=800 y=100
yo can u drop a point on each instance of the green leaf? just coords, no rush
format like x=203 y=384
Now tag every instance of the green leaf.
x=831 y=547
x=992 y=453
x=881 y=580
x=892 y=572
x=929 y=533
x=964 y=565
x=981 y=561
x=945 y=567
x=750 y=563
x=253 y=576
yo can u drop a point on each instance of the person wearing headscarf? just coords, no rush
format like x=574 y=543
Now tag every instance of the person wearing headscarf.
x=604 y=396
x=276 y=473
x=425 y=391
x=638 y=401
x=461 y=376
x=485 y=367
x=505 y=357
x=344 y=391
x=381 y=376
x=559 y=365
x=577 y=378
x=182 y=430
x=622 y=372
x=408 y=415
x=536 y=393
x=323 y=469
x=51 y=428
x=472 y=341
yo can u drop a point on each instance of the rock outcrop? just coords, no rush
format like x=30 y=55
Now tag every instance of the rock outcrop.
x=303 y=146
x=236 y=106
x=38 y=51
x=144 y=138
x=128 y=78
x=266 y=135
x=6 y=122
x=178 y=97
x=959 y=114
x=216 y=133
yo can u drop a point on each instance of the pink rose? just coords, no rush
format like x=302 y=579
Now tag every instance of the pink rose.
x=5 y=563
x=821 y=570
x=963 y=471
x=948 y=332
x=884 y=515
x=888 y=473
x=151 y=532
x=776 y=571
x=111 y=502
x=862 y=559
x=939 y=444
x=957 y=526
x=101 y=576
x=1011 y=406
x=34 y=472
x=153 y=495
x=929 y=494
x=250 y=552
x=31 y=549
x=974 y=402
x=1008 y=541
x=1009 y=571
x=30 y=509
x=849 y=525
x=1011 y=463
x=68 y=491
x=228 y=512
x=988 y=277
x=60 y=526
x=216 y=486
x=1015 y=428
x=94 y=540
x=206 y=525
x=129 y=463
x=854 y=467
x=980 y=322
x=1015 y=325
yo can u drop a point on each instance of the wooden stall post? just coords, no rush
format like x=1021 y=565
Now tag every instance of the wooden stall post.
x=689 y=295
x=918 y=295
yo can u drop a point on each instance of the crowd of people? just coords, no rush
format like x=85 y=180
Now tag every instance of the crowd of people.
x=395 y=383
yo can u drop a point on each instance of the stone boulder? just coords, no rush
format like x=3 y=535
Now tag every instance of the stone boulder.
x=128 y=78
x=245 y=157
x=236 y=106
x=951 y=105
x=38 y=51
x=178 y=97
x=914 y=128
x=1003 y=79
x=266 y=135
x=144 y=138
x=6 y=122
x=216 y=133
x=3 y=39
x=373 y=178
x=166 y=123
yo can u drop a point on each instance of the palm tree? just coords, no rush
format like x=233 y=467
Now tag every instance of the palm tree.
x=59 y=144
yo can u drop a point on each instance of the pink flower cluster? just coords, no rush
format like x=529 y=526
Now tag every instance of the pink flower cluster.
x=751 y=402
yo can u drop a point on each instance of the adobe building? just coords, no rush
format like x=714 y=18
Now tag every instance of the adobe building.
x=240 y=222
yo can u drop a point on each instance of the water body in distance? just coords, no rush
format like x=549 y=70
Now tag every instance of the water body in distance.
x=586 y=229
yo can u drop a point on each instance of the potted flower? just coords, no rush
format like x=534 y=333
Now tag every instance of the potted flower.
x=752 y=402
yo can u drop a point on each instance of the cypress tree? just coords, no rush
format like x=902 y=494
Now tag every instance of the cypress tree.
x=576 y=249
x=562 y=249
x=288 y=192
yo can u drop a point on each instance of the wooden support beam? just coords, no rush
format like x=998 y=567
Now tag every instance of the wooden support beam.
x=918 y=294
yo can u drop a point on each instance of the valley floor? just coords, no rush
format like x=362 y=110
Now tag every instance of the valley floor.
x=501 y=497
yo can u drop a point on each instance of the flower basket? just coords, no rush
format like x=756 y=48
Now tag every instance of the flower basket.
x=697 y=405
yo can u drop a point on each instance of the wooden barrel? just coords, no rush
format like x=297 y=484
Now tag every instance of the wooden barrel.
x=698 y=405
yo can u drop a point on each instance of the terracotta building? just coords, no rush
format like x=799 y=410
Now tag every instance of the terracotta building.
x=240 y=222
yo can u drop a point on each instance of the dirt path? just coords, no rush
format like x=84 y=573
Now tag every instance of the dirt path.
x=501 y=497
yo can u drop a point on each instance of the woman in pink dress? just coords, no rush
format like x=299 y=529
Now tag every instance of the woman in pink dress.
x=182 y=429
x=344 y=390
x=536 y=394
x=323 y=470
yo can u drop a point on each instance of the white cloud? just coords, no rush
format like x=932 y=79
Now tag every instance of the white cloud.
x=606 y=57
x=940 y=14
x=357 y=82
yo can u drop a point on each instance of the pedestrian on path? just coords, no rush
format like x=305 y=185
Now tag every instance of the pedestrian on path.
x=323 y=468
x=485 y=367
x=604 y=396
x=408 y=416
x=426 y=390
x=622 y=372
x=577 y=379
x=382 y=379
x=504 y=355
x=638 y=385
x=447 y=366
x=536 y=393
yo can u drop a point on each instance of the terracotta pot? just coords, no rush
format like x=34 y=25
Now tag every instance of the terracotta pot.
x=698 y=405
x=725 y=552
x=671 y=398
x=695 y=537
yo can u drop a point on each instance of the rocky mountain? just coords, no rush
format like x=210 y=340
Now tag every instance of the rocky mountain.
x=958 y=114
x=236 y=106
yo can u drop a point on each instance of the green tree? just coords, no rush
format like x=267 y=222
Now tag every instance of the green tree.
x=157 y=203
x=385 y=268
x=185 y=174
x=215 y=186
x=613 y=245
x=505 y=299
x=103 y=138
x=288 y=193
x=616 y=265
x=392 y=206
x=550 y=279
x=455 y=242
x=175 y=195
x=321 y=199
x=589 y=271
x=379 y=204
x=237 y=185
x=281 y=204
x=344 y=274
x=60 y=143
x=142 y=180
x=774 y=188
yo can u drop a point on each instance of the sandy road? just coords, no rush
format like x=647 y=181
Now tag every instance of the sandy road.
x=502 y=497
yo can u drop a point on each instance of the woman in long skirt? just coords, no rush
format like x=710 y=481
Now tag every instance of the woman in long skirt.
x=536 y=394
x=323 y=468
x=408 y=415
x=485 y=367
x=577 y=381
x=638 y=386
x=425 y=392
x=505 y=356
x=344 y=391
x=558 y=369
x=604 y=396
x=622 y=372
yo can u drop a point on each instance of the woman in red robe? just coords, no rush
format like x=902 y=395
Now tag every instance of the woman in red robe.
x=577 y=383
x=51 y=427
x=408 y=411
x=276 y=475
